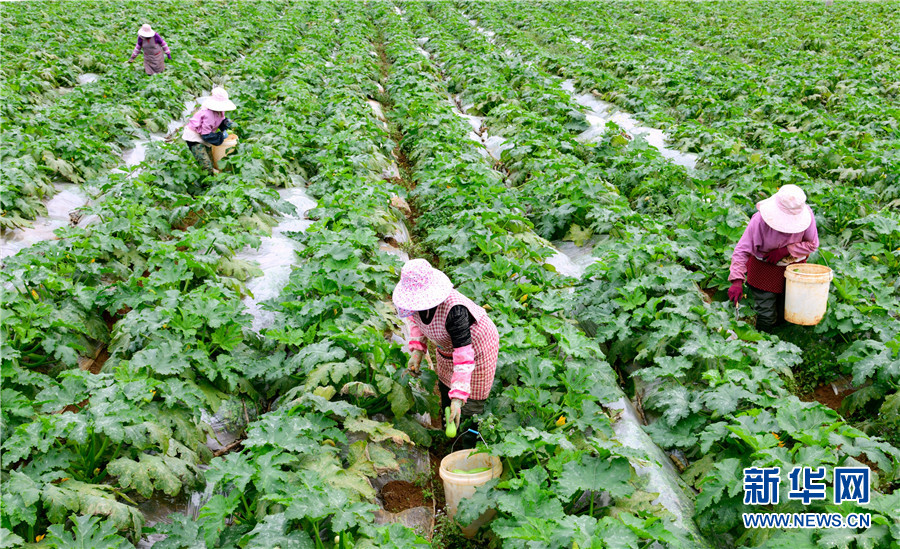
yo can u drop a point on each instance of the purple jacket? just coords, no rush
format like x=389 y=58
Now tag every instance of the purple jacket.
x=159 y=40
x=760 y=239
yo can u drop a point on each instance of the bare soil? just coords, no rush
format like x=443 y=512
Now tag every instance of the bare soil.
x=399 y=495
x=824 y=394
x=440 y=500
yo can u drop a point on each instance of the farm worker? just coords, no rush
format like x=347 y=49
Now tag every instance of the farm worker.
x=207 y=127
x=782 y=232
x=466 y=339
x=154 y=46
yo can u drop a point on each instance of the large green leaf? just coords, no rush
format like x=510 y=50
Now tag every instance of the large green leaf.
x=596 y=475
x=88 y=532
x=273 y=532
x=89 y=499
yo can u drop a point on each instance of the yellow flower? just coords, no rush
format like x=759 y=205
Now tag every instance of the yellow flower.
x=97 y=471
x=93 y=259
x=523 y=298
x=39 y=538
x=561 y=421
x=34 y=294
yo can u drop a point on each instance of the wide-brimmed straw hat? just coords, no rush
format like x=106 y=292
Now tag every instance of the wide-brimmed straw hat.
x=218 y=101
x=421 y=286
x=786 y=211
x=146 y=31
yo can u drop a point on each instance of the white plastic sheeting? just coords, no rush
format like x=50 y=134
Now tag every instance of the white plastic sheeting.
x=602 y=112
x=658 y=471
x=389 y=167
x=67 y=199
x=580 y=41
x=87 y=78
x=571 y=260
x=276 y=255
x=489 y=34
x=494 y=145
x=660 y=475
x=138 y=153
x=159 y=509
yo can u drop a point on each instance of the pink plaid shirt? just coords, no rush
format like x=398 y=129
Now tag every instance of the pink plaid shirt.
x=467 y=371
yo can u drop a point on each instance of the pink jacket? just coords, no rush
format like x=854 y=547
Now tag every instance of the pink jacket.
x=759 y=239
x=206 y=121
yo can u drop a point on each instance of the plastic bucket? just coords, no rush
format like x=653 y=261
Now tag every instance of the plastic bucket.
x=458 y=486
x=219 y=151
x=806 y=293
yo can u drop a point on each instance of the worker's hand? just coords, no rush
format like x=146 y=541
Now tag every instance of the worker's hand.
x=777 y=255
x=415 y=360
x=455 y=410
x=734 y=293
x=131 y=60
x=169 y=55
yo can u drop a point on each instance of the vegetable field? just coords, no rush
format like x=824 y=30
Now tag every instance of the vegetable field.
x=193 y=360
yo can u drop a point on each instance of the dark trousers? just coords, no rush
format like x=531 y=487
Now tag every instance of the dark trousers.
x=470 y=408
x=769 y=308
x=202 y=155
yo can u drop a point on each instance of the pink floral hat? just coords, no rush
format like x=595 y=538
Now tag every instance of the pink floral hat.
x=421 y=286
x=786 y=211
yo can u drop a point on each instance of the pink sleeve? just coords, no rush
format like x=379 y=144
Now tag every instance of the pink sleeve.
x=809 y=244
x=742 y=250
x=463 y=366
x=416 y=337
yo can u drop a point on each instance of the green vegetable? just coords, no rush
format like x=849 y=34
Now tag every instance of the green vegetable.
x=470 y=471
x=451 y=425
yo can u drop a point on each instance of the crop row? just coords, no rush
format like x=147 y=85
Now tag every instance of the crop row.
x=548 y=370
x=55 y=129
x=649 y=313
x=159 y=266
x=715 y=101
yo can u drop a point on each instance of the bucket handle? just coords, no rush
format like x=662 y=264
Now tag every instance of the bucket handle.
x=474 y=432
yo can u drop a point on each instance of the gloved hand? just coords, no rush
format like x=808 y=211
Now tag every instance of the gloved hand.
x=415 y=360
x=131 y=60
x=777 y=255
x=456 y=410
x=169 y=55
x=734 y=293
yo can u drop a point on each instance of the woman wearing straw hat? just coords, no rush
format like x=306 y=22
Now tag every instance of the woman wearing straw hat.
x=207 y=128
x=782 y=232
x=466 y=340
x=154 y=47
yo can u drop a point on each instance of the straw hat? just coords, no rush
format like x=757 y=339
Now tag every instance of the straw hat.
x=786 y=211
x=218 y=101
x=146 y=31
x=421 y=286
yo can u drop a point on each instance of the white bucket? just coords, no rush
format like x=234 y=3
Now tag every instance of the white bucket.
x=806 y=293
x=458 y=486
